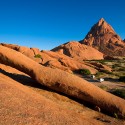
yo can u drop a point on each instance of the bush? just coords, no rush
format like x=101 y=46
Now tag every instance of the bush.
x=99 y=74
x=102 y=61
x=103 y=87
x=122 y=78
x=115 y=66
x=84 y=71
x=121 y=69
x=119 y=92
x=38 y=56
x=107 y=72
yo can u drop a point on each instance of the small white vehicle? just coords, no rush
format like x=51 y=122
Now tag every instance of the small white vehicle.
x=101 y=79
x=93 y=76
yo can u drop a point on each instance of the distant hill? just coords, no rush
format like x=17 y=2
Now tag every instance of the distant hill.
x=103 y=37
x=78 y=51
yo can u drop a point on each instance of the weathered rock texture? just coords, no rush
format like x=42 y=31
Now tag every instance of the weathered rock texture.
x=103 y=37
x=78 y=51
x=64 y=82
x=52 y=59
x=19 y=105
x=65 y=63
x=30 y=52
x=57 y=60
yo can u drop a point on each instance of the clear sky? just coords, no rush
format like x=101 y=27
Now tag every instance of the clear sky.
x=46 y=24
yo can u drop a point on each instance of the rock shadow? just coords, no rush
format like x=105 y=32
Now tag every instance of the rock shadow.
x=28 y=81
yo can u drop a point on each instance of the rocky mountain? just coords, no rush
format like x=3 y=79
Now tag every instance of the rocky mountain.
x=103 y=37
x=78 y=51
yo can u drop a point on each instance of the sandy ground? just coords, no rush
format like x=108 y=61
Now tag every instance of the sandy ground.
x=110 y=83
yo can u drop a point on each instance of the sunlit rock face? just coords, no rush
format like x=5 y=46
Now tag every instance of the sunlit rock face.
x=103 y=37
x=78 y=51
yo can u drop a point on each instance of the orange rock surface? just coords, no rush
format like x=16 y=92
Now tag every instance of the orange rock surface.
x=103 y=37
x=64 y=82
x=78 y=51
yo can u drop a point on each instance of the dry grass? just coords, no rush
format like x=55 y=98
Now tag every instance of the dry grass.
x=118 y=67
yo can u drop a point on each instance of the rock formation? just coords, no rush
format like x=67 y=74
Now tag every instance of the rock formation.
x=56 y=59
x=30 y=52
x=20 y=105
x=103 y=37
x=52 y=59
x=64 y=82
x=65 y=63
x=78 y=51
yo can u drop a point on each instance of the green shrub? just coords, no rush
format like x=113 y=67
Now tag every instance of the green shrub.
x=115 y=66
x=101 y=61
x=38 y=56
x=84 y=71
x=103 y=87
x=122 y=78
x=98 y=74
x=115 y=115
x=107 y=72
x=121 y=69
x=119 y=92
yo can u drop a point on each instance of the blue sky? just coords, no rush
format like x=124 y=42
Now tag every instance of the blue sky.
x=46 y=24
